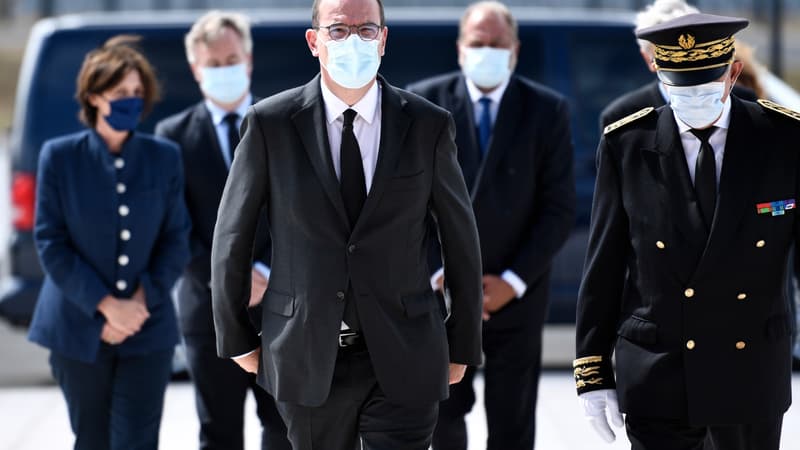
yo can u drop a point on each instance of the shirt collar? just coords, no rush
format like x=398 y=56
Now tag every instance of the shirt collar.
x=723 y=121
x=495 y=95
x=218 y=114
x=366 y=107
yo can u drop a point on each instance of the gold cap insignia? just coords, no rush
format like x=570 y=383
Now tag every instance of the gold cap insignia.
x=686 y=41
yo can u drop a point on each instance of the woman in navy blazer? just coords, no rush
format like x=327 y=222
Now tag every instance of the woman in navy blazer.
x=112 y=235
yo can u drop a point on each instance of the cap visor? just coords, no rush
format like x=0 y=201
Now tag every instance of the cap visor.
x=691 y=77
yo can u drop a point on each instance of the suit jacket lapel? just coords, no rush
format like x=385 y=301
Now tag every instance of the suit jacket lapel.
x=503 y=133
x=677 y=184
x=207 y=140
x=394 y=125
x=466 y=138
x=311 y=125
x=741 y=170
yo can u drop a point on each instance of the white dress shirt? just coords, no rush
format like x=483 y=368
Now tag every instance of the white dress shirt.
x=475 y=96
x=366 y=126
x=691 y=143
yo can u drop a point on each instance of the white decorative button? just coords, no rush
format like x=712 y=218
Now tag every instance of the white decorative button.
x=689 y=293
x=121 y=188
x=660 y=245
x=124 y=210
x=122 y=285
x=690 y=344
x=125 y=235
x=123 y=260
x=119 y=163
x=741 y=345
x=761 y=243
x=741 y=296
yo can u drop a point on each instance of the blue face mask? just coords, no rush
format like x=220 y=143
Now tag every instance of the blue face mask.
x=225 y=84
x=487 y=67
x=353 y=62
x=125 y=113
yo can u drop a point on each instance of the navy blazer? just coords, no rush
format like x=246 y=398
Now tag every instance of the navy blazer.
x=106 y=223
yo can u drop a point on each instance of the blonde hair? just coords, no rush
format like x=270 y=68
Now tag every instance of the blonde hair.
x=658 y=12
x=208 y=28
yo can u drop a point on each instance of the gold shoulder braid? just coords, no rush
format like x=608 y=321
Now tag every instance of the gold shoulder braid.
x=779 y=109
x=592 y=373
x=628 y=119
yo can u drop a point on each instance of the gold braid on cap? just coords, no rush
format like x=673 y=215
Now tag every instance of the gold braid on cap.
x=687 y=51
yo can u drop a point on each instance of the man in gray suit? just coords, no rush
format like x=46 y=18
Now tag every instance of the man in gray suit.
x=352 y=172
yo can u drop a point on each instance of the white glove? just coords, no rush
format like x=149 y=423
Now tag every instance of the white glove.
x=598 y=404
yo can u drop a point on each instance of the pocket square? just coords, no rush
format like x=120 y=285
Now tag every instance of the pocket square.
x=776 y=208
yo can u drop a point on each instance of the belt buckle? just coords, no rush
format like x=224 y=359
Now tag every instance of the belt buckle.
x=343 y=335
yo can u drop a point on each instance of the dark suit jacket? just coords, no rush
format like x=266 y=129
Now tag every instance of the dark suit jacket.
x=653 y=281
x=205 y=172
x=649 y=95
x=78 y=236
x=522 y=192
x=283 y=164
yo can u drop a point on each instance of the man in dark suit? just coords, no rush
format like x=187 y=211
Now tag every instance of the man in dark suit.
x=515 y=151
x=693 y=222
x=352 y=172
x=219 y=50
x=653 y=94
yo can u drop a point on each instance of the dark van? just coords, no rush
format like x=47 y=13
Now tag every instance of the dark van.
x=589 y=56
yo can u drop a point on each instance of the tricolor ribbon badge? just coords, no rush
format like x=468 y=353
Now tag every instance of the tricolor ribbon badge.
x=777 y=208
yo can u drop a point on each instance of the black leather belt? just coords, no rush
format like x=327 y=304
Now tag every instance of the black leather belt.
x=351 y=341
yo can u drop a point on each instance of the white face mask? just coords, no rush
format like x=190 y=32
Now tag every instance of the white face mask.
x=487 y=67
x=353 y=62
x=697 y=106
x=225 y=84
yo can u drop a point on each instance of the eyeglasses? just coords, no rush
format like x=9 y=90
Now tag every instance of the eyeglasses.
x=366 y=31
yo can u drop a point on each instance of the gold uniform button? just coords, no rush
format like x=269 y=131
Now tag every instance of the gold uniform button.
x=741 y=296
x=689 y=293
x=690 y=344
x=660 y=245
x=761 y=243
x=740 y=345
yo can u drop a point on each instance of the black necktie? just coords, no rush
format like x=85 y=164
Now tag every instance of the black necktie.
x=353 y=185
x=233 y=133
x=705 y=176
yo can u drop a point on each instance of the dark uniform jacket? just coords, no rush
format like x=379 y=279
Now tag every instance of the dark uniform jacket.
x=522 y=191
x=283 y=164
x=205 y=172
x=699 y=323
x=106 y=224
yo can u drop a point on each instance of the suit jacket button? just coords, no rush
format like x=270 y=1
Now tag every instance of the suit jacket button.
x=761 y=243
x=741 y=296
x=351 y=248
x=690 y=344
x=741 y=345
x=340 y=295
x=689 y=293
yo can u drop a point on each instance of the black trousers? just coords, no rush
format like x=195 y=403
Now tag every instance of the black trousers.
x=221 y=388
x=652 y=434
x=511 y=378
x=116 y=402
x=357 y=414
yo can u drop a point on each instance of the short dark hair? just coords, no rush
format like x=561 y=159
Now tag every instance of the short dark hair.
x=105 y=67
x=315 y=13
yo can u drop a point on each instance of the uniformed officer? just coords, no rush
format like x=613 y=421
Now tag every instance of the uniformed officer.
x=692 y=224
